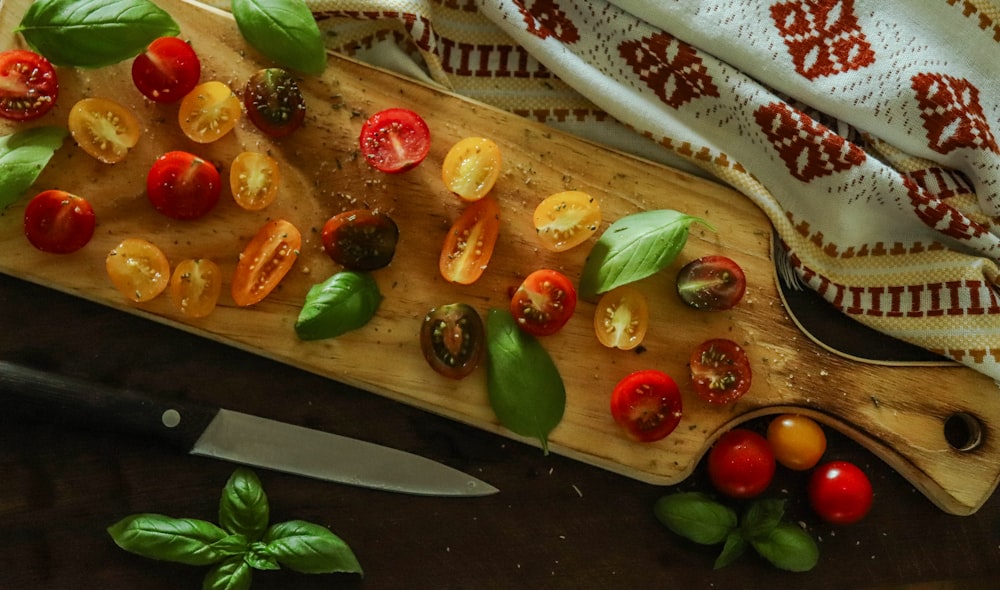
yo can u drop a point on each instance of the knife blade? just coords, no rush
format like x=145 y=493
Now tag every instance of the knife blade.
x=235 y=436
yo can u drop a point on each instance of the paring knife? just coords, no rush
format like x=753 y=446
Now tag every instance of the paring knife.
x=235 y=436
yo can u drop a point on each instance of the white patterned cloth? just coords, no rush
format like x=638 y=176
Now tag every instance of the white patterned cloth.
x=864 y=129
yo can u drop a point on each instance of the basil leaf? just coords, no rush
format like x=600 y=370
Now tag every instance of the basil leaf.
x=23 y=156
x=788 y=547
x=232 y=574
x=526 y=391
x=761 y=517
x=633 y=248
x=696 y=517
x=182 y=540
x=735 y=546
x=259 y=558
x=94 y=33
x=310 y=549
x=284 y=31
x=346 y=301
x=243 y=508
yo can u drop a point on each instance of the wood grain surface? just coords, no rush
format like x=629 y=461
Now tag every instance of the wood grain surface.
x=897 y=412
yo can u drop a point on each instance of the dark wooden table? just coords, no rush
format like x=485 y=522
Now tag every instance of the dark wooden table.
x=555 y=524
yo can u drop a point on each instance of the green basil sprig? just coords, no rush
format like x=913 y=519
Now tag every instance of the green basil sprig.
x=525 y=389
x=633 y=248
x=23 y=155
x=284 y=31
x=346 y=301
x=697 y=517
x=241 y=542
x=93 y=33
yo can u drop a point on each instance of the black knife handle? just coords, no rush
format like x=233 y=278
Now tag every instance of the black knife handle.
x=50 y=397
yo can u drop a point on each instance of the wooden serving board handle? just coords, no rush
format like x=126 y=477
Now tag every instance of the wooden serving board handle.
x=898 y=412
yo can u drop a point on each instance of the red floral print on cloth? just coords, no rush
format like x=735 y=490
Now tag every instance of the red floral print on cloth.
x=670 y=67
x=938 y=214
x=823 y=36
x=545 y=19
x=808 y=148
x=952 y=114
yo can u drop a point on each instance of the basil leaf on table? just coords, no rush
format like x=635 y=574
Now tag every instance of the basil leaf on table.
x=788 y=547
x=183 y=540
x=93 y=33
x=346 y=301
x=243 y=508
x=309 y=548
x=525 y=389
x=633 y=248
x=23 y=156
x=696 y=517
x=284 y=31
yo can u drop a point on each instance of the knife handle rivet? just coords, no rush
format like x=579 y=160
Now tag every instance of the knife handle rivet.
x=171 y=418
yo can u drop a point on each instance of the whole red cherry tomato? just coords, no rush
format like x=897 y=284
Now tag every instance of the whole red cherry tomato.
x=58 y=222
x=741 y=464
x=183 y=186
x=167 y=70
x=840 y=493
x=647 y=405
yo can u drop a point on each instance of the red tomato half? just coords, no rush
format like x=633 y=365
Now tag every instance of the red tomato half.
x=167 y=70
x=720 y=371
x=469 y=244
x=647 y=405
x=58 y=222
x=741 y=464
x=840 y=493
x=544 y=302
x=28 y=85
x=265 y=261
x=395 y=140
x=183 y=186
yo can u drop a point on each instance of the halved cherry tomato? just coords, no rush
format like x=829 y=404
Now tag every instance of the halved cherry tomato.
x=741 y=464
x=471 y=167
x=544 y=302
x=711 y=283
x=798 y=441
x=28 y=85
x=195 y=287
x=360 y=239
x=840 y=492
x=103 y=128
x=58 y=222
x=138 y=269
x=265 y=261
x=566 y=219
x=253 y=180
x=453 y=339
x=209 y=111
x=621 y=318
x=469 y=244
x=183 y=186
x=720 y=371
x=167 y=70
x=395 y=140
x=647 y=405
x=273 y=102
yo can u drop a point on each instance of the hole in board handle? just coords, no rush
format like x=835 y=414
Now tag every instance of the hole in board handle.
x=963 y=432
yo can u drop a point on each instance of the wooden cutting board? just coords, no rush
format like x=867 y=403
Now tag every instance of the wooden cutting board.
x=898 y=412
